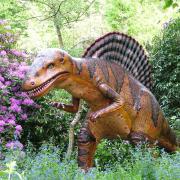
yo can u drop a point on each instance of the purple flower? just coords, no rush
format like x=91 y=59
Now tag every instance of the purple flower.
x=2 y=123
x=3 y=53
x=3 y=108
x=14 y=145
x=17 y=144
x=8 y=83
x=2 y=86
x=5 y=91
x=5 y=60
x=1 y=78
x=20 y=75
x=12 y=122
x=23 y=68
x=10 y=144
x=37 y=106
x=11 y=40
x=17 y=133
x=1 y=129
x=8 y=34
x=15 y=52
x=23 y=94
x=2 y=21
x=1 y=118
x=23 y=116
x=28 y=102
x=9 y=117
x=15 y=108
x=15 y=88
x=15 y=101
x=19 y=128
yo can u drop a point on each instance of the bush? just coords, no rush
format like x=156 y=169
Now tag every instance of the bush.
x=165 y=57
x=14 y=104
x=21 y=119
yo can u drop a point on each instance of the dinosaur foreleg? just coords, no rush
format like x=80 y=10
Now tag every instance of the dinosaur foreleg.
x=86 y=149
x=73 y=108
x=117 y=102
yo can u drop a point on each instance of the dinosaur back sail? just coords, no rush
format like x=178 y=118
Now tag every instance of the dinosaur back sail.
x=125 y=51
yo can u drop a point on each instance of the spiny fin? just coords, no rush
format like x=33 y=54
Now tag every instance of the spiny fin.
x=125 y=51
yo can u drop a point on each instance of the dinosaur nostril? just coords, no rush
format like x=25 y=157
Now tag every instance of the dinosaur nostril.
x=32 y=83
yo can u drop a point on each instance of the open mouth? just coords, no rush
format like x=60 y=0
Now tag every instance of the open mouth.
x=43 y=87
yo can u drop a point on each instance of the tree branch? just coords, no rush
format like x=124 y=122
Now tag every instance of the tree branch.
x=71 y=132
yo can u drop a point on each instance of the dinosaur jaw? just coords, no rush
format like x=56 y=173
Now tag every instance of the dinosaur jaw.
x=46 y=86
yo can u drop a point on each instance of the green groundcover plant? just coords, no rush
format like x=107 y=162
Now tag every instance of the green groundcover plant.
x=139 y=165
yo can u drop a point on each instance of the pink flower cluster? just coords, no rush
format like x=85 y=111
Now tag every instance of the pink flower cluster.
x=14 y=103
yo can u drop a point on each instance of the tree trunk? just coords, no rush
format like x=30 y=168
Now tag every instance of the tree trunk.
x=58 y=31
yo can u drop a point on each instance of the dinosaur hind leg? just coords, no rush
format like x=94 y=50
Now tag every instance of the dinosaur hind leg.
x=86 y=149
x=140 y=137
x=137 y=138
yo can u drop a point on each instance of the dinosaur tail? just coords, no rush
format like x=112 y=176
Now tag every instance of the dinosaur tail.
x=168 y=138
x=125 y=51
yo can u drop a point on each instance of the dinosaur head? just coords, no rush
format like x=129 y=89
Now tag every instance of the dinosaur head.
x=50 y=68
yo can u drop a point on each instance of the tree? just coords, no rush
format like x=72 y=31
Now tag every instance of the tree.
x=139 y=18
x=62 y=13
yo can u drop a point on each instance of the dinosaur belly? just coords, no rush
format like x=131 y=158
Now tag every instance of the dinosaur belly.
x=111 y=126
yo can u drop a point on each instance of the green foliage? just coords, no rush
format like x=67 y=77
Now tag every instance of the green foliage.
x=112 y=152
x=169 y=3
x=141 y=19
x=48 y=124
x=14 y=11
x=165 y=57
x=46 y=165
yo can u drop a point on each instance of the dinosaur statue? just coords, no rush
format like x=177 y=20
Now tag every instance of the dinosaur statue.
x=114 y=78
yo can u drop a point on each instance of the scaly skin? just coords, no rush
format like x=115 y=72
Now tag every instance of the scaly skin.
x=119 y=104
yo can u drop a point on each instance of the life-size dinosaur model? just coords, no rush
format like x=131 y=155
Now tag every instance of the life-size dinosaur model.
x=114 y=78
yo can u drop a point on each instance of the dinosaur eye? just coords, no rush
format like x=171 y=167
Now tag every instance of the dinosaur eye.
x=50 y=66
x=61 y=59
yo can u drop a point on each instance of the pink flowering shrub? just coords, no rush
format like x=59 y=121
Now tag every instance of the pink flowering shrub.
x=21 y=120
x=14 y=104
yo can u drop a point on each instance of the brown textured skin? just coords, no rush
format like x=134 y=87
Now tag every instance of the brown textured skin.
x=124 y=108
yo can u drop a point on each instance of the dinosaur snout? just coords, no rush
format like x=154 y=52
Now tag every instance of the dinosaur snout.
x=28 y=84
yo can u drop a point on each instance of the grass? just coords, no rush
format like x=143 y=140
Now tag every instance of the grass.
x=46 y=165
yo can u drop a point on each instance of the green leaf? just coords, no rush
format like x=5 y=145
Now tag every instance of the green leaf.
x=168 y=3
x=2 y=173
x=175 y=5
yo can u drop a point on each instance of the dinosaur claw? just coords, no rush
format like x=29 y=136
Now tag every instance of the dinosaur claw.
x=94 y=116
